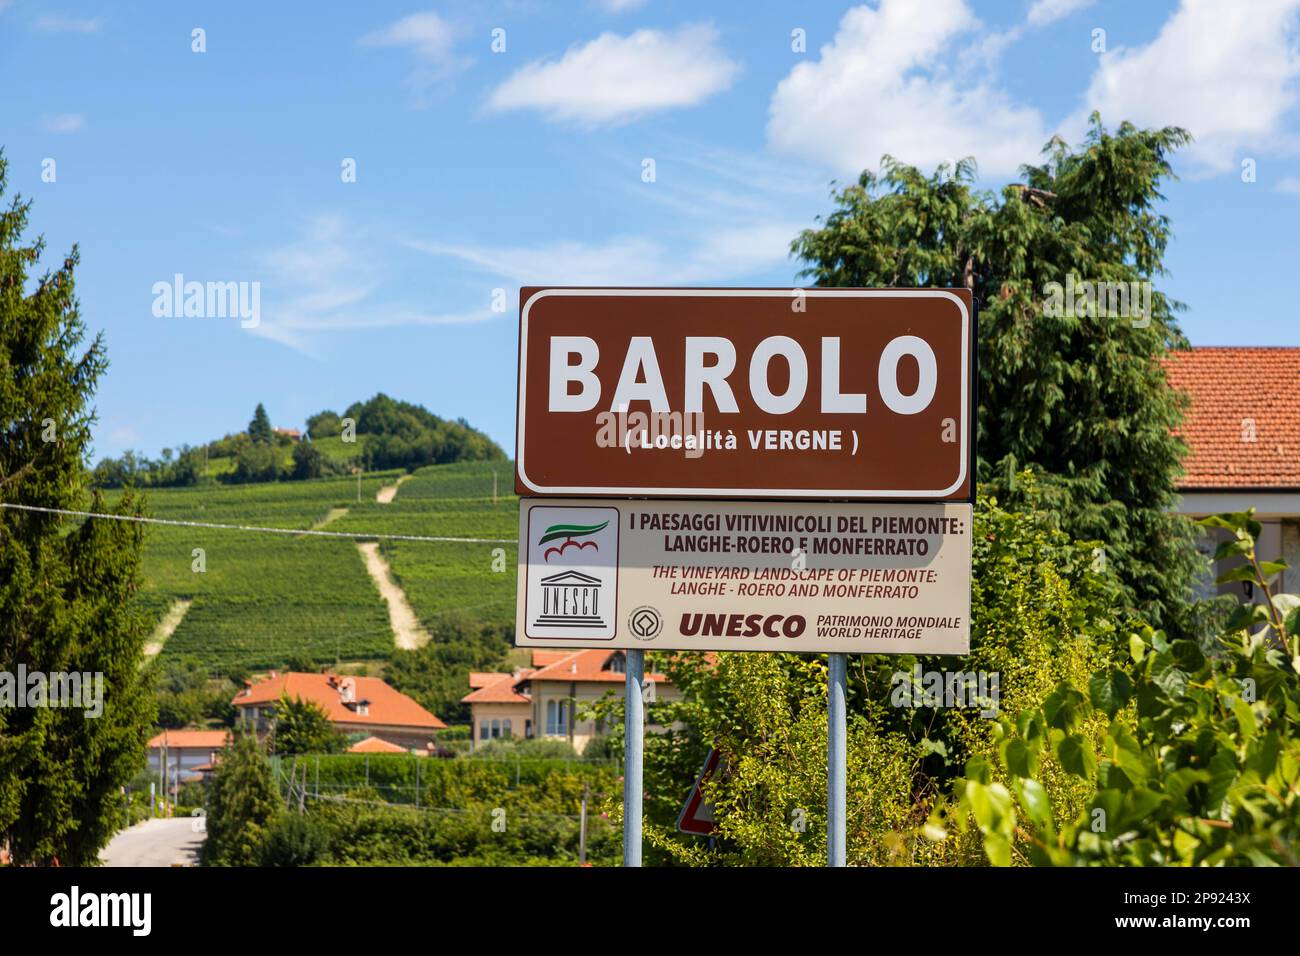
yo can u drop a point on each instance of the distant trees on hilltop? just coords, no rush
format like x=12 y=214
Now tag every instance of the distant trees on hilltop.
x=376 y=434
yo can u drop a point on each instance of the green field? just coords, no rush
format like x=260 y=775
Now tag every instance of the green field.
x=265 y=598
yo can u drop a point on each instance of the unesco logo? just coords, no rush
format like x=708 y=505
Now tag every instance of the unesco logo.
x=645 y=623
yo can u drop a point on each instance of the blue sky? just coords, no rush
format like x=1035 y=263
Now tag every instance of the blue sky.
x=479 y=170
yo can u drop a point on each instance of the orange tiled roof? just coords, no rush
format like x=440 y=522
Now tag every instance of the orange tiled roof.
x=388 y=706
x=585 y=666
x=566 y=666
x=1243 y=426
x=210 y=739
x=373 y=745
x=503 y=690
x=542 y=658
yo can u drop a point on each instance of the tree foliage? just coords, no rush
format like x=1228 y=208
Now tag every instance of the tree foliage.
x=402 y=435
x=1190 y=752
x=1077 y=394
x=436 y=675
x=259 y=429
x=302 y=727
x=65 y=587
x=242 y=803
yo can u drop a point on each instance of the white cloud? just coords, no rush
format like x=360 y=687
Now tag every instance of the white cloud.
x=620 y=6
x=427 y=34
x=723 y=217
x=1226 y=72
x=56 y=24
x=890 y=82
x=1290 y=185
x=1043 y=12
x=715 y=256
x=431 y=39
x=63 y=123
x=613 y=79
x=327 y=280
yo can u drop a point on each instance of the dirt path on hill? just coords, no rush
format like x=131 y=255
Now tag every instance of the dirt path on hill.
x=334 y=514
x=166 y=627
x=386 y=494
x=407 y=630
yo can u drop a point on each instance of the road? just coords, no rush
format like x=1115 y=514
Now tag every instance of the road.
x=155 y=843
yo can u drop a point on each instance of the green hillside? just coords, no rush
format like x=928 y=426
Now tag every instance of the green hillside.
x=265 y=599
x=334 y=448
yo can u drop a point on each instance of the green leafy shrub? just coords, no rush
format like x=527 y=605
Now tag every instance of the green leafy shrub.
x=1191 y=754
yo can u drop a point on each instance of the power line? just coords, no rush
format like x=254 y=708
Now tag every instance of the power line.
x=351 y=535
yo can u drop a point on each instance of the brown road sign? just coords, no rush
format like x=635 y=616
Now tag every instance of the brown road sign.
x=712 y=393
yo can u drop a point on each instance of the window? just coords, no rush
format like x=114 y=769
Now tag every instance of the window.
x=528 y=728
x=557 y=718
x=496 y=729
x=505 y=728
x=483 y=730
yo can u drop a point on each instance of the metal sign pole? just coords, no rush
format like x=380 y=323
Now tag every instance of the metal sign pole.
x=633 y=734
x=836 y=730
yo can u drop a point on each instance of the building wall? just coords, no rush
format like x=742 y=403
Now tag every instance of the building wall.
x=188 y=757
x=1291 y=554
x=579 y=696
x=484 y=716
x=412 y=738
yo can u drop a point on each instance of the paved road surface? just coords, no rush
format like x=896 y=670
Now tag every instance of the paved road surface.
x=155 y=843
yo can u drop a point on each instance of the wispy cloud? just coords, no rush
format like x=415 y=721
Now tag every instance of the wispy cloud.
x=1044 y=12
x=431 y=40
x=63 y=123
x=1289 y=185
x=730 y=218
x=60 y=24
x=328 y=279
x=613 y=79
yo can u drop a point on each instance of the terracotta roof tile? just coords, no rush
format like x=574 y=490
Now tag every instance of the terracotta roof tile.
x=388 y=706
x=211 y=739
x=585 y=666
x=1243 y=426
x=373 y=745
x=504 y=690
x=542 y=658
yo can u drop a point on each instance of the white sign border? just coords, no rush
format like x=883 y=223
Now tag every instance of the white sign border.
x=742 y=492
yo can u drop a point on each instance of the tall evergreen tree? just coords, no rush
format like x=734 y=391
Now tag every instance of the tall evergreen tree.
x=259 y=429
x=1080 y=397
x=65 y=586
x=242 y=802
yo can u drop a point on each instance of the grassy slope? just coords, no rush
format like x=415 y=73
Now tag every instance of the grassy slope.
x=265 y=597
x=455 y=501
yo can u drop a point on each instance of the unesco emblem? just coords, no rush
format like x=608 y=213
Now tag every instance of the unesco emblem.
x=645 y=623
